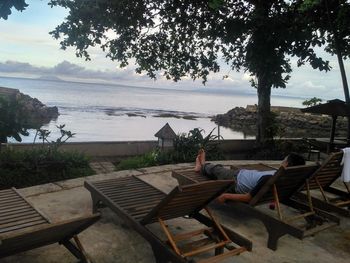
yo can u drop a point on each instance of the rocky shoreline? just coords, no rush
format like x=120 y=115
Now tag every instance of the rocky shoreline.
x=37 y=112
x=291 y=122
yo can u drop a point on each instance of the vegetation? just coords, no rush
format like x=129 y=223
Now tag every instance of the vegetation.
x=5 y=7
x=186 y=147
x=312 y=102
x=180 y=38
x=13 y=119
x=332 y=18
x=42 y=165
x=39 y=166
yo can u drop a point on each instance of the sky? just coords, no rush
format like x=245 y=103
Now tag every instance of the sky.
x=27 y=50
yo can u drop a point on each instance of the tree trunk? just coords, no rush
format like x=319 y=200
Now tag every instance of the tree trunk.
x=264 y=111
x=345 y=83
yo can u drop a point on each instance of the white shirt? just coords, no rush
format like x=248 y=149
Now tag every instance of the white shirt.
x=345 y=175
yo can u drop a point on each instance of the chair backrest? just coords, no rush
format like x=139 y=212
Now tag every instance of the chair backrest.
x=287 y=180
x=12 y=243
x=187 y=200
x=17 y=214
x=328 y=172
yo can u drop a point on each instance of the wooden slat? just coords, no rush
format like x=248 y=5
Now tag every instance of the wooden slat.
x=16 y=213
x=41 y=235
x=221 y=257
x=188 y=199
x=22 y=226
x=17 y=217
x=137 y=202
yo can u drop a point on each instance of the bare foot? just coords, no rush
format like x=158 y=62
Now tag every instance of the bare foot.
x=198 y=165
x=200 y=160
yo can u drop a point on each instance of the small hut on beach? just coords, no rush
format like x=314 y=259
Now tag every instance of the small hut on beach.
x=166 y=136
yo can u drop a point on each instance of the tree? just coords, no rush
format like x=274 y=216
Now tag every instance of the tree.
x=6 y=5
x=332 y=18
x=312 y=102
x=182 y=37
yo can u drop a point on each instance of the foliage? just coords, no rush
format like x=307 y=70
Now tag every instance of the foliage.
x=42 y=164
x=332 y=17
x=6 y=5
x=312 y=102
x=186 y=147
x=54 y=145
x=12 y=119
x=39 y=166
x=180 y=38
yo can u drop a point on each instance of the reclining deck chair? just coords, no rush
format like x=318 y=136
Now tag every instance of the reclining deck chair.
x=279 y=189
x=322 y=180
x=23 y=228
x=139 y=204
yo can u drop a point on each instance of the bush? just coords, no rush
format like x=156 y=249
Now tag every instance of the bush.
x=39 y=166
x=186 y=147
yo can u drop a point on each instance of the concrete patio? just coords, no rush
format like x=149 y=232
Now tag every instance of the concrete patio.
x=110 y=240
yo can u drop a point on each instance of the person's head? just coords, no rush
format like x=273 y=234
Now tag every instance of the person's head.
x=293 y=159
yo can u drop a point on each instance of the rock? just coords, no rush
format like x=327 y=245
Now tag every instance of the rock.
x=38 y=113
x=292 y=121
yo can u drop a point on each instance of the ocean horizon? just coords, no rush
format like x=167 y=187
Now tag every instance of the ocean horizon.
x=111 y=112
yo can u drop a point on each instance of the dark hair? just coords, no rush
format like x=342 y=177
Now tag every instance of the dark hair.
x=295 y=159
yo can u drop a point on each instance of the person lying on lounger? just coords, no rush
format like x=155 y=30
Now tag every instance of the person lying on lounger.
x=248 y=182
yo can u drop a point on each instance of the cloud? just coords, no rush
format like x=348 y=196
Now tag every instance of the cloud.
x=20 y=67
x=304 y=82
x=67 y=70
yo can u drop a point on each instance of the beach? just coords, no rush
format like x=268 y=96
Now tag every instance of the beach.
x=97 y=112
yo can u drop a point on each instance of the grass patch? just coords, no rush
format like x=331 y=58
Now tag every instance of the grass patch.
x=146 y=160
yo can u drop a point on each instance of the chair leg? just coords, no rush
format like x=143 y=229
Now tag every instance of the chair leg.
x=96 y=204
x=274 y=233
x=75 y=251
x=159 y=256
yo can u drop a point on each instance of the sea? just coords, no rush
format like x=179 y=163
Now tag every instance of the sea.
x=99 y=112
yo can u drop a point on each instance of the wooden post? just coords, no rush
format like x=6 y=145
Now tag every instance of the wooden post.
x=331 y=140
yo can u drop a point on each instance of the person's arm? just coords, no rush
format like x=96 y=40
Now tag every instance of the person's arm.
x=244 y=197
x=234 y=197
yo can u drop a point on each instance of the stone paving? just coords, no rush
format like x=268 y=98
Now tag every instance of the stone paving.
x=102 y=167
x=110 y=240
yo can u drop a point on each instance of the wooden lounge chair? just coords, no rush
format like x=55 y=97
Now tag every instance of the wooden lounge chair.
x=23 y=228
x=279 y=189
x=139 y=204
x=322 y=180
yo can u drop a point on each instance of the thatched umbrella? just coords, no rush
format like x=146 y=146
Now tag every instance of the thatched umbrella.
x=332 y=108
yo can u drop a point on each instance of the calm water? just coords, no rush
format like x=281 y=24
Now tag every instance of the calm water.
x=98 y=112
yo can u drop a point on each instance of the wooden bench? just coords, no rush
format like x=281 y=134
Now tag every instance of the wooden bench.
x=22 y=227
x=279 y=189
x=332 y=199
x=139 y=204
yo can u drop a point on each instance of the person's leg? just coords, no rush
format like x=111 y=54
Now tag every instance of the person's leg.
x=218 y=172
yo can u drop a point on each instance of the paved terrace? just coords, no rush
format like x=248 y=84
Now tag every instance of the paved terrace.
x=109 y=240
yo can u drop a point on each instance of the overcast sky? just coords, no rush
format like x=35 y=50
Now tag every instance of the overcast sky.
x=27 y=50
